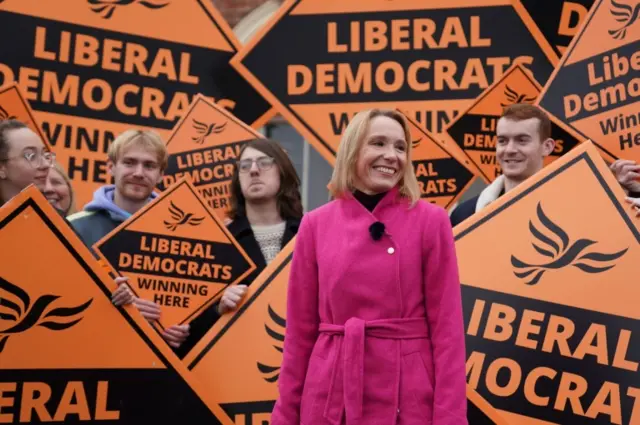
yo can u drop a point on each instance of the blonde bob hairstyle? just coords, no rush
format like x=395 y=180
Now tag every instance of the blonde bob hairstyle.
x=343 y=178
x=72 y=201
x=145 y=138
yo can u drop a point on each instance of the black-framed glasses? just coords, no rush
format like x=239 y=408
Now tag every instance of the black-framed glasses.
x=35 y=158
x=263 y=163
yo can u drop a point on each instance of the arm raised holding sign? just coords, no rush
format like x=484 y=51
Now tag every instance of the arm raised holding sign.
x=265 y=214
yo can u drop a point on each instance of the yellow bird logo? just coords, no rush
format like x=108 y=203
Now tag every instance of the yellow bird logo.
x=106 y=8
x=16 y=308
x=180 y=218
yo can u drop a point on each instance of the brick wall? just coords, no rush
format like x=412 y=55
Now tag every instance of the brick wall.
x=235 y=10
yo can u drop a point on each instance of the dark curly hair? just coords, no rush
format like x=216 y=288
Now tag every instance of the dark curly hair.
x=288 y=198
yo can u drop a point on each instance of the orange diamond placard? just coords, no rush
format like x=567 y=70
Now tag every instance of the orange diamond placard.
x=551 y=320
x=13 y=105
x=595 y=88
x=92 y=69
x=204 y=147
x=442 y=176
x=429 y=59
x=68 y=355
x=176 y=253
x=474 y=131
x=558 y=20
x=261 y=319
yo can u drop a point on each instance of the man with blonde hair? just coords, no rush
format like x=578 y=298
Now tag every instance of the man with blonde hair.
x=137 y=160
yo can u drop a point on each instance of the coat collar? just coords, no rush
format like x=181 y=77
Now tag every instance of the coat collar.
x=491 y=193
x=353 y=208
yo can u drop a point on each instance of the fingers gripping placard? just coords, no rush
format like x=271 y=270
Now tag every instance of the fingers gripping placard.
x=67 y=354
x=551 y=320
x=177 y=253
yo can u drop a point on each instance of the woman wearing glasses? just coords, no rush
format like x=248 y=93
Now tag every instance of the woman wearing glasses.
x=265 y=213
x=24 y=159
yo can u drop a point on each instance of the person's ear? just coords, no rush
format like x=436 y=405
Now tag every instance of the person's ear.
x=548 y=146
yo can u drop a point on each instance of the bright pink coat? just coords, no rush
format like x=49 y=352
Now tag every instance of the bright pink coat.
x=375 y=332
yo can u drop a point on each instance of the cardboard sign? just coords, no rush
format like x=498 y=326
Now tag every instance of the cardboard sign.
x=428 y=59
x=595 y=87
x=13 y=105
x=204 y=147
x=177 y=253
x=551 y=318
x=442 y=176
x=475 y=129
x=251 y=386
x=95 y=68
x=67 y=354
x=558 y=20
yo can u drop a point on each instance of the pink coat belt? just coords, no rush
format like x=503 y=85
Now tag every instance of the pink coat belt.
x=349 y=363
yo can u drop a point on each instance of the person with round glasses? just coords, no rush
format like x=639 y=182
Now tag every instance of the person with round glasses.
x=24 y=159
x=264 y=216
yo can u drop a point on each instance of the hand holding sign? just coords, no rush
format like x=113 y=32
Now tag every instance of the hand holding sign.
x=176 y=335
x=123 y=295
x=178 y=255
x=148 y=309
x=635 y=205
x=627 y=173
x=231 y=297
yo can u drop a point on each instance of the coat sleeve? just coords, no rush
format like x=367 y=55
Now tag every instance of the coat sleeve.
x=302 y=326
x=446 y=323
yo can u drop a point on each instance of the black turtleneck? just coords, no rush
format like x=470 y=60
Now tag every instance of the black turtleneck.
x=369 y=201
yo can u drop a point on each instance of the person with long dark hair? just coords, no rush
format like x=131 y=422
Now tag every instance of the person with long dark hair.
x=264 y=216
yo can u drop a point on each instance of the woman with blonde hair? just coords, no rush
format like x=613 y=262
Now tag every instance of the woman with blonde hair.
x=375 y=329
x=59 y=190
